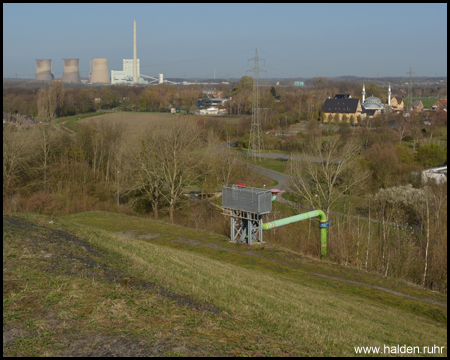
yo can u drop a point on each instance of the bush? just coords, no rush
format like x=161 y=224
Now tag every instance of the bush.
x=408 y=138
x=431 y=155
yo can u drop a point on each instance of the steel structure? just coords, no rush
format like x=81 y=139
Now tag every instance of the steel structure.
x=409 y=109
x=256 y=141
x=246 y=206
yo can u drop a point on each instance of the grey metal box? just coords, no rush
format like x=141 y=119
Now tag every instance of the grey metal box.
x=247 y=199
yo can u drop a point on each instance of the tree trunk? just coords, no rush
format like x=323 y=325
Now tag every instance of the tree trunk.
x=428 y=242
x=368 y=240
x=357 y=247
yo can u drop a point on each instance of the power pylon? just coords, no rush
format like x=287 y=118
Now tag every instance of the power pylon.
x=410 y=90
x=256 y=141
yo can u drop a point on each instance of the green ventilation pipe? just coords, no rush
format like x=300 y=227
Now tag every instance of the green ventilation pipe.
x=323 y=227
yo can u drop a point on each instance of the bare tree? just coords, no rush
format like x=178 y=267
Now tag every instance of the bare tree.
x=42 y=105
x=429 y=203
x=368 y=125
x=332 y=172
x=16 y=150
x=401 y=126
x=50 y=101
x=165 y=163
x=175 y=145
x=43 y=146
x=146 y=172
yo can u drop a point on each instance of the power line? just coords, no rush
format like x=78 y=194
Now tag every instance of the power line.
x=280 y=71
x=206 y=58
x=303 y=67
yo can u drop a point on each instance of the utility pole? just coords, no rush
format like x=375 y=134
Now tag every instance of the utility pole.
x=256 y=141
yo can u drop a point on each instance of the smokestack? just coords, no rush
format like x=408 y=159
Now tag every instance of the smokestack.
x=71 y=72
x=43 y=70
x=135 y=79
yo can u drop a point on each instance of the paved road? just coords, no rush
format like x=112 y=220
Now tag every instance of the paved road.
x=286 y=156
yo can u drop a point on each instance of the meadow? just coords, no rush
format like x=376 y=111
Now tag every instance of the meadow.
x=82 y=285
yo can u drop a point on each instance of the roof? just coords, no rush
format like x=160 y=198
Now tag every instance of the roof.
x=440 y=104
x=372 y=103
x=345 y=106
x=372 y=99
x=370 y=112
x=416 y=103
x=342 y=96
x=398 y=98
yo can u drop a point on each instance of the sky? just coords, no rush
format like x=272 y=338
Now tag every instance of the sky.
x=194 y=40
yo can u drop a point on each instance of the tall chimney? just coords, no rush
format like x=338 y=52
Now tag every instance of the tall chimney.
x=135 y=79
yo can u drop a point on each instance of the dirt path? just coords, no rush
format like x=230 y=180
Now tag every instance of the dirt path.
x=252 y=253
x=429 y=301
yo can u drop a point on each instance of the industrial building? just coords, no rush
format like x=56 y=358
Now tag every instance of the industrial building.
x=71 y=71
x=99 y=71
x=125 y=76
x=44 y=70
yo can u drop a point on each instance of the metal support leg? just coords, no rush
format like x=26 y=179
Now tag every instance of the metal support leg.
x=232 y=232
x=250 y=231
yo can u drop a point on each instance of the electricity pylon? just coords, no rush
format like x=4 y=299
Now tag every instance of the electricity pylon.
x=256 y=141
x=410 y=90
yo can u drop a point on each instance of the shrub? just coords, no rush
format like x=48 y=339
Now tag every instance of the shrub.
x=431 y=155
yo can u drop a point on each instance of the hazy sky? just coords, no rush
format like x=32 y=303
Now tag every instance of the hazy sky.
x=190 y=40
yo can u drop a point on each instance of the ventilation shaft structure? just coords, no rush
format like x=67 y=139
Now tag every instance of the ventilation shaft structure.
x=246 y=207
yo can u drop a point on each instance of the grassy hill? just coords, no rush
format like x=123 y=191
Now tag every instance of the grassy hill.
x=98 y=283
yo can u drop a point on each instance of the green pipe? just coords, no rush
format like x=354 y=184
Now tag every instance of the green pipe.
x=300 y=217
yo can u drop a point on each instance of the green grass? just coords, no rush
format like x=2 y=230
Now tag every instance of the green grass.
x=427 y=102
x=263 y=302
x=271 y=164
x=77 y=117
x=70 y=121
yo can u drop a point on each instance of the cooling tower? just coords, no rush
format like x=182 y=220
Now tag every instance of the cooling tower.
x=99 y=71
x=43 y=70
x=71 y=72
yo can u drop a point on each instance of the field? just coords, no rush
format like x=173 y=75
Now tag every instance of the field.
x=98 y=283
x=427 y=101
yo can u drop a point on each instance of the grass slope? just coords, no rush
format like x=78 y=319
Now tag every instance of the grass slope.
x=77 y=287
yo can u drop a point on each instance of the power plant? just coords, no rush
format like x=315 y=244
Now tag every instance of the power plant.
x=71 y=71
x=99 y=71
x=44 y=70
x=131 y=74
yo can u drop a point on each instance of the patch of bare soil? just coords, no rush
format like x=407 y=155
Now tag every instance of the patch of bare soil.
x=66 y=254
x=11 y=334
